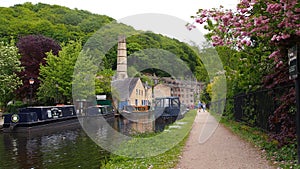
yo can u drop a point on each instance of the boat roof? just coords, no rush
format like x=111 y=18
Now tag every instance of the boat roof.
x=50 y=106
x=169 y=97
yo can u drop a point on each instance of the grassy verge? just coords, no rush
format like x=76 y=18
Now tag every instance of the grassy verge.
x=165 y=160
x=284 y=157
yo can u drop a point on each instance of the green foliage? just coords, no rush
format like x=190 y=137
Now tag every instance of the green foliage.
x=204 y=95
x=57 y=75
x=285 y=157
x=60 y=23
x=244 y=71
x=216 y=89
x=103 y=80
x=141 y=46
x=9 y=65
x=13 y=108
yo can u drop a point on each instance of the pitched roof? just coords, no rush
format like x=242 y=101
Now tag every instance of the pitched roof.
x=124 y=87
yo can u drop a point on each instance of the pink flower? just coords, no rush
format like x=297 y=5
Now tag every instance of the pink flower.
x=248 y=43
x=199 y=20
x=275 y=53
x=190 y=26
x=285 y=36
x=215 y=38
x=257 y=21
x=280 y=63
x=274 y=8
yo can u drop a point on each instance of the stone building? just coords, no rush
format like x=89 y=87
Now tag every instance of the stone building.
x=162 y=90
x=126 y=90
x=188 y=90
x=131 y=91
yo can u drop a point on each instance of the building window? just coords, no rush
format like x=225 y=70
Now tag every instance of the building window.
x=137 y=91
x=136 y=102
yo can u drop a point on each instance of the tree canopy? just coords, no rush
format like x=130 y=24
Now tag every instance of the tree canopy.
x=9 y=66
x=60 y=23
x=56 y=76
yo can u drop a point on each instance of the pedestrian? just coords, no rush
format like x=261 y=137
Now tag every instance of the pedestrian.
x=199 y=106
x=203 y=106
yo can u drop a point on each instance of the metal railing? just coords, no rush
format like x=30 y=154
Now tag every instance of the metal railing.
x=253 y=108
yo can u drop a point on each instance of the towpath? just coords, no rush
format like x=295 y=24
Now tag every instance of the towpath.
x=222 y=150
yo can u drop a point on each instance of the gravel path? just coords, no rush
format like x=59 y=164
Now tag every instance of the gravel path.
x=222 y=150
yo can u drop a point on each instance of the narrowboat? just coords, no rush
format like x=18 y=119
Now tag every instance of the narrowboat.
x=40 y=117
x=105 y=111
x=134 y=109
x=167 y=107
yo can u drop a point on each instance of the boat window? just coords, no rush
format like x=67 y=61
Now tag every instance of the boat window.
x=100 y=110
x=167 y=102
x=104 y=111
x=109 y=109
x=175 y=103
x=159 y=103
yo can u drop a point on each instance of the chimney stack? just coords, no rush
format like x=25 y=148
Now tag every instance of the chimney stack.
x=122 y=59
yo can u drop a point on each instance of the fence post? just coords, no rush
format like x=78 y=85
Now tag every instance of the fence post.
x=297 y=83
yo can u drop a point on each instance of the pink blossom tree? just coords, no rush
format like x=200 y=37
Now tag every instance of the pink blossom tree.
x=273 y=23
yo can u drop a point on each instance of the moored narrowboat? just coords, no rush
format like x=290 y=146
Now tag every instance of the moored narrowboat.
x=167 y=107
x=105 y=111
x=39 y=117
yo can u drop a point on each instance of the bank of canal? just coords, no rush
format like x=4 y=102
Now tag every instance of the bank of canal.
x=166 y=160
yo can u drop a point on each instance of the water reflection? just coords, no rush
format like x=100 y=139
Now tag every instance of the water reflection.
x=137 y=123
x=67 y=148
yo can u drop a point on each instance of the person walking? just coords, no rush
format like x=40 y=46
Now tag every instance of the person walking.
x=204 y=107
x=199 y=106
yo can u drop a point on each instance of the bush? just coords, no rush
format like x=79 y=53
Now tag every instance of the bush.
x=13 y=108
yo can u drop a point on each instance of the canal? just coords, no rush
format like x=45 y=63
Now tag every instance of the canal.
x=65 y=148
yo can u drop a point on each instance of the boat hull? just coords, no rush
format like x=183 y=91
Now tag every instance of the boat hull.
x=47 y=125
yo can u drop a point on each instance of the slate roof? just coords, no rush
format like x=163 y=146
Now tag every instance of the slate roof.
x=124 y=87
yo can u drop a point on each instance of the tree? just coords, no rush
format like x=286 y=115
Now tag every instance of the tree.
x=60 y=23
x=103 y=81
x=272 y=27
x=9 y=66
x=57 y=75
x=33 y=49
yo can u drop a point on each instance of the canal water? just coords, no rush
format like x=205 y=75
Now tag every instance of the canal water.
x=65 y=148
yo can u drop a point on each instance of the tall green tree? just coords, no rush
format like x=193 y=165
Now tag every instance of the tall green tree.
x=57 y=75
x=9 y=65
x=103 y=81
